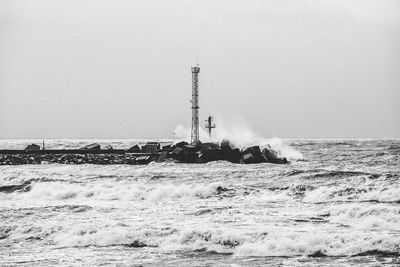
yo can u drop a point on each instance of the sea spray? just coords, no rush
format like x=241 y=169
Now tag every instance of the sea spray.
x=241 y=136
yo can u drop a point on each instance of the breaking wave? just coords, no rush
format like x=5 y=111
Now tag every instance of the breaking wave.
x=346 y=193
x=241 y=136
x=273 y=242
x=297 y=244
x=379 y=216
x=123 y=192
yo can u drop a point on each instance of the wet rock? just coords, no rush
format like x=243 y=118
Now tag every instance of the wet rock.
x=253 y=155
x=167 y=148
x=210 y=155
x=135 y=149
x=181 y=144
x=273 y=157
x=108 y=147
x=162 y=157
x=93 y=146
x=151 y=147
x=143 y=160
x=32 y=147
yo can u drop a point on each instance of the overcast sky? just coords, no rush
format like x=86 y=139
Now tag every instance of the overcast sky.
x=121 y=69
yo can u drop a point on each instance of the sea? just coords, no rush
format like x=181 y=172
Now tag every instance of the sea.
x=337 y=203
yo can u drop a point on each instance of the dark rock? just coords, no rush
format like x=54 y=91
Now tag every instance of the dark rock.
x=135 y=149
x=177 y=151
x=248 y=158
x=162 y=157
x=272 y=156
x=226 y=145
x=211 y=154
x=32 y=147
x=191 y=148
x=190 y=157
x=181 y=144
x=232 y=155
x=93 y=146
x=253 y=155
x=151 y=147
x=168 y=148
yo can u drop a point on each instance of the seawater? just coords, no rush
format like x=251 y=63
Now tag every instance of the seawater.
x=336 y=204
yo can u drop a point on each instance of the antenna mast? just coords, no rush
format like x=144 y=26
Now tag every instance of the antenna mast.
x=195 y=105
x=210 y=125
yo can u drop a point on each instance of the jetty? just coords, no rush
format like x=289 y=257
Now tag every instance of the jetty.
x=181 y=152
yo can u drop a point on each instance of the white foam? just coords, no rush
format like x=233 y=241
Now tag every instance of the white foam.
x=290 y=243
x=362 y=192
x=119 y=191
x=378 y=216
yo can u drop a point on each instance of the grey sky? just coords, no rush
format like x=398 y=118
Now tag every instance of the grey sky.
x=121 y=69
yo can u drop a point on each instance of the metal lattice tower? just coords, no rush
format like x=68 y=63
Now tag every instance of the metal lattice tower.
x=195 y=105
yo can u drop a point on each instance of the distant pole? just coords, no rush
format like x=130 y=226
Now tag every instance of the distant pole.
x=195 y=105
x=43 y=148
x=210 y=125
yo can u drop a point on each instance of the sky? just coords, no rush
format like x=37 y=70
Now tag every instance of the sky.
x=121 y=68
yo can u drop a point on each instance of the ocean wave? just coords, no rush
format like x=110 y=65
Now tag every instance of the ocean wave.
x=286 y=244
x=121 y=191
x=166 y=239
x=379 y=216
x=232 y=241
x=227 y=240
x=348 y=193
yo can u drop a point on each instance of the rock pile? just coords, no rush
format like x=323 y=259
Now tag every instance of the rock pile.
x=207 y=152
x=179 y=152
x=18 y=159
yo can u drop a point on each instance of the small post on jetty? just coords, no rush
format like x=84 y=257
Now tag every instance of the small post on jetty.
x=210 y=125
x=195 y=105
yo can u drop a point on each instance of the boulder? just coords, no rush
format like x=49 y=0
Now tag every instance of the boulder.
x=253 y=155
x=191 y=148
x=212 y=154
x=93 y=146
x=270 y=153
x=226 y=145
x=181 y=144
x=32 y=147
x=248 y=158
x=190 y=156
x=162 y=157
x=151 y=147
x=273 y=157
x=232 y=155
x=177 y=153
x=168 y=148
x=108 y=147
x=135 y=149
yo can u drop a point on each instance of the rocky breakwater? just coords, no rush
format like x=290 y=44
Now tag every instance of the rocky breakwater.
x=206 y=152
x=18 y=159
x=151 y=151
